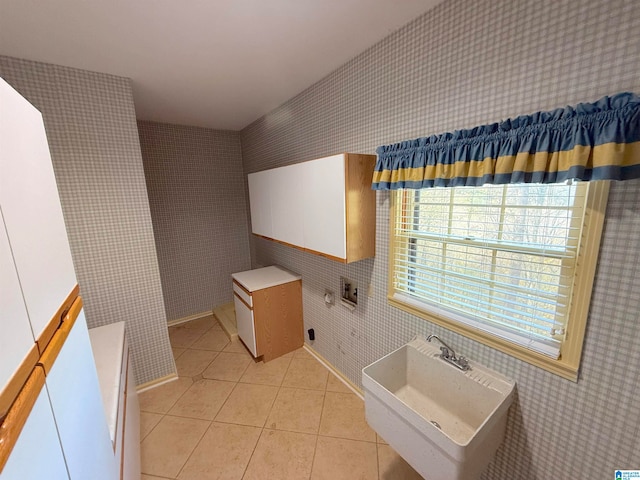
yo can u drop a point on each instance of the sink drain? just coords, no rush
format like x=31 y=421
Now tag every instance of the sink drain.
x=436 y=424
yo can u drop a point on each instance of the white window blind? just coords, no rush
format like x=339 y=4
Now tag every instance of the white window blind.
x=500 y=258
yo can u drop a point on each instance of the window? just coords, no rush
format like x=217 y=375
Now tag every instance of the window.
x=509 y=265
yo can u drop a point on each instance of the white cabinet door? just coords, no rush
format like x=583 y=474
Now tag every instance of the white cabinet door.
x=16 y=339
x=31 y=208
x=246 y=325
x=324 y=206
x=78 y=408
x=260 y=203
x=37 y=454
x=287 y=209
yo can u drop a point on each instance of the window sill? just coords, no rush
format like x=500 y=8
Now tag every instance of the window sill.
x=559 y=367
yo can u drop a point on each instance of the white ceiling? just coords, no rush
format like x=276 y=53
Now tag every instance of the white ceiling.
x=212 y=63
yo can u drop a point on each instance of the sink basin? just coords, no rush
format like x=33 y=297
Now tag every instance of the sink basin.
x=445 y=422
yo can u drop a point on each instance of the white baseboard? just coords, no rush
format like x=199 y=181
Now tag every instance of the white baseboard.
x=335 y=371
x=195 y=316
x=156 y=383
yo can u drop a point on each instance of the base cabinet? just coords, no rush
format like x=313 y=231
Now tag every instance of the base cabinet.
x=77 y=405
x=119 y=396
x=268 y=304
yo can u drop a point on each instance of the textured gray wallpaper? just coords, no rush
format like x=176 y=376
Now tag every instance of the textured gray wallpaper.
x=466 y=63
x=91 y=128
x=197 y=198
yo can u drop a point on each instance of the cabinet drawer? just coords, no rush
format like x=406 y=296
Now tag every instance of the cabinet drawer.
x=242 y=293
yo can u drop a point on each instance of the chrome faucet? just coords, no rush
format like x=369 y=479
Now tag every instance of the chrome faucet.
x=448 y=355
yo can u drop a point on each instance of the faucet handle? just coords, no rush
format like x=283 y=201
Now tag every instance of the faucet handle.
x=464 y=363
x=446 y=353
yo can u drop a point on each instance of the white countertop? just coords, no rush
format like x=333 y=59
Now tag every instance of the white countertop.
x=265 y=277
x=108 y=343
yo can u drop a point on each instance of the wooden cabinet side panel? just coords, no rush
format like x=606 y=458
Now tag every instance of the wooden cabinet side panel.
x=278 y=319
x=360 y=207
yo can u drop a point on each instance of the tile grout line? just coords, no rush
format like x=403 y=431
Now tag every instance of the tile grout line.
x=174 y=403
x=266 y=418
x=154 y=427
x=263 y=428
x=194 y=449
x=211 y=421
x=265 y=422
x=253 y=451
x=315 y=448
x=159 y=421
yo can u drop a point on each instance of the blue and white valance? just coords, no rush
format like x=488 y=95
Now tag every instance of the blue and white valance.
x=592 y=141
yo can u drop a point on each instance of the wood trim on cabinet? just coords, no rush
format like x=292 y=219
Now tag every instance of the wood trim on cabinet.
x=282 y=242
x=360 y=205
x=12 y=389
x=53 y=325
x=242 y=300
x=48 y=358
x=278 y=319
x=286 y=244
x=326 y=255
x=242 y=288
x=20 y=410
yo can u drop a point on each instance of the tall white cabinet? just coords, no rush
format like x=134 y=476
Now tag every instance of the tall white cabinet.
x=323 y=206
x=52 y=418
x=18 y=346
x=31 y=210
x=39 y=430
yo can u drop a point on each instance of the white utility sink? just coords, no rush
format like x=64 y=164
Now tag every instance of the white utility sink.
x=445 y=422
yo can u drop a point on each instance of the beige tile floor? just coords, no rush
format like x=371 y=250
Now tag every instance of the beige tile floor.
x=230 y=417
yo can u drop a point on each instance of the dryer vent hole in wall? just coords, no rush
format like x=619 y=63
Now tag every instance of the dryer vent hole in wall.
x=348 y=292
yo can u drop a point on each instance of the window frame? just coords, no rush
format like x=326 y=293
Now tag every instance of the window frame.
x=568 y=364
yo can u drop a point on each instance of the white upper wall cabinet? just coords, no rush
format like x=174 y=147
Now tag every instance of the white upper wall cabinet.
x=287 y=211
x=260 y=203
x=324 y=206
